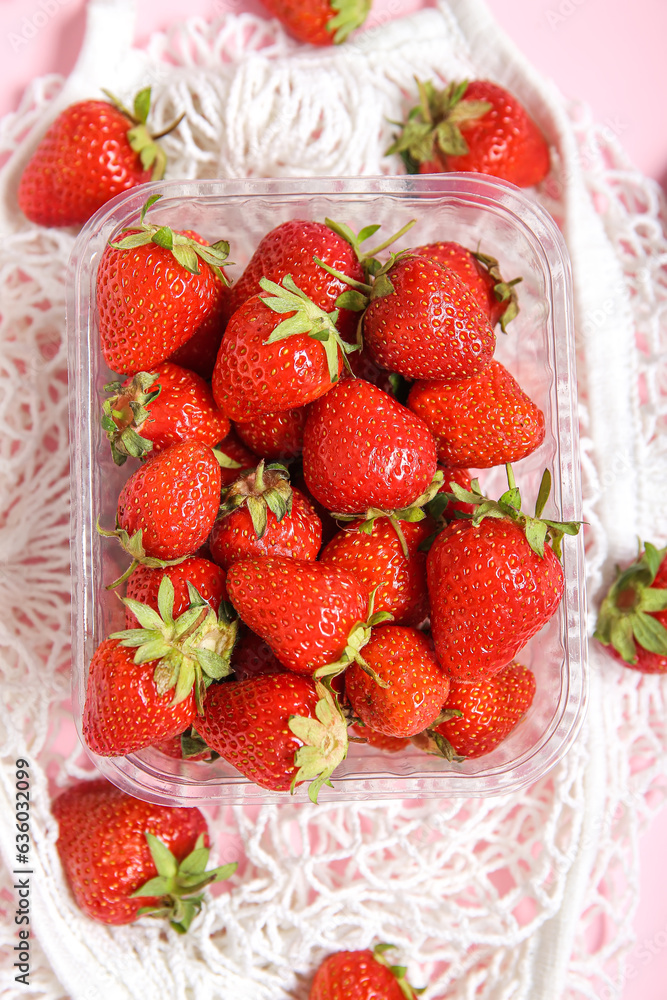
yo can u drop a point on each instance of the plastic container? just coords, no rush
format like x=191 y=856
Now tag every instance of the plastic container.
x=538 y=350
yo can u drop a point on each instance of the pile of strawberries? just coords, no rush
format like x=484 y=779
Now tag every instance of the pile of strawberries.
x=309 y=561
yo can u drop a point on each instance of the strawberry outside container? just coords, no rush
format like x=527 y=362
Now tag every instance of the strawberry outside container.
x=539 y=351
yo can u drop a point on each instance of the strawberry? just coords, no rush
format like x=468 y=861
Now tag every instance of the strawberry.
x=443 y=507
x=481 y=275
x=268 y=364
x=415 y=686
x=304 y=610
x=128 y=705
x=290 y=249
x=376 y=558
x=91 y=152
x=390 y=744
x=206 y=577
x=253 y=656
x=424 y=323
x=477 y=126
x=124 y=857
x=481 y=421
x=275 y=436
x=494 y=581
x=277 y=729
x=125 y=710
x=152 y=294
x=187 y=746
x=262 y=515
x=632 y=621
x=320 y=22
x=168 y=506
x=482 y=714
x=236 y=458
x=362 y=449
x=361 y=975
x=151 y=410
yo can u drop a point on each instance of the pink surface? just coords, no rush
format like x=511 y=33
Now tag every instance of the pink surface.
x=593 y=50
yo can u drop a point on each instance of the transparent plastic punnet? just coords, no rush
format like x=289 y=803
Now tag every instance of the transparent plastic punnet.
x=538 y=349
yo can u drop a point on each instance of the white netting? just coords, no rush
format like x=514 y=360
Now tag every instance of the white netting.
x=523 y=896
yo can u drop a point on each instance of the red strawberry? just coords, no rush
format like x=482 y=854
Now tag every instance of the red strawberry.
x=290 y=249
x=152 y=296
x=493 y=581
x=206 y=577
x=151 y=410
x=275 y=436
x=91 y=152
x=632 y=621
x=489 y=711
x=262 y=515
x=476 y=126
x=362 y=449
x=360 y=975
x=304 y=610
x=268 y=363
x=320 y=22
x=124 y=709
x=416 y=686
x=172 y=500
x=443 y=507
x=253 y=656
x=481 y=421
x=391 y=744
x=122 y=856
x=481 y=275
x=376 y=558
x=277 y=729
x=236 y=456
x=424 y=323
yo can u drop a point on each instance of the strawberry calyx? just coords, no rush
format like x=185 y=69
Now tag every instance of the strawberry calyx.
x=433 y=742
x=140 y=139
x=265 y=488
x=186 y=251
x=361 y=294
x=626 y=613
x=324 y=741
x=178 y=885
x=350 y=14
x=504 y=291
x=124 y=413
x=367 y=258
x=192 y=650
x=399 y=971
x=433 y=127
x=414 y=512
x=192 y=745
x=224 y=460
x=538 y=530
x=133 y=545
x=307 y=319
x=359 y=635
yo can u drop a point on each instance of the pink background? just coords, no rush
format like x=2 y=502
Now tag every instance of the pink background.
x=595 y=51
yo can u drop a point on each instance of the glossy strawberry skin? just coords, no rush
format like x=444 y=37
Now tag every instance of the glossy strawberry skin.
x=174 y=499
x=303 y=610
x=103 y=848
x=184 y=411
x=246 y=722
x=354 y=975
x=480 y=422
x=362 y=449
x=298 y=535
x=205 y=576
x=289 y=249
x=490 y=710
x=505 y=142
x=377 y=559
x=83 y=160
x=474 y=275
x=123 y=711
x=417 y=685
x=429 y=326
x=275 y=436
x=253 y=377
x=149 y=305
x=490 y=593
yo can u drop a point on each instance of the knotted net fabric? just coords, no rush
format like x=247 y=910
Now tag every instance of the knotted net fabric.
x=528 y=895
